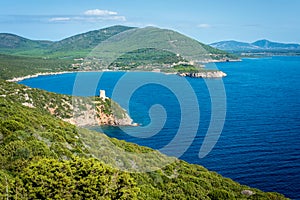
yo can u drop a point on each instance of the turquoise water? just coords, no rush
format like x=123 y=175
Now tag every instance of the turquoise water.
x=260 y=142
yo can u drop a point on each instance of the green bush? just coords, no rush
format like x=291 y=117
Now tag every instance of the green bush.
x=220 y=195
x=77 y=178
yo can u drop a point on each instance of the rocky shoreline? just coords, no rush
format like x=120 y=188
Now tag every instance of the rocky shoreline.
x=93 y=117
x=208 y=74
x=98 y=112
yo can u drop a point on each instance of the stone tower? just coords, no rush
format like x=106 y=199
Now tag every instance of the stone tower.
x=102 y=94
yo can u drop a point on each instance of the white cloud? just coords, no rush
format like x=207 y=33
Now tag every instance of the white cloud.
x=92 y=16
x=98 y=12
x=204 y=26
x=59 y=19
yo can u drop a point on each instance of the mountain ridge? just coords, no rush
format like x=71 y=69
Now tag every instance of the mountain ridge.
x=114 y=48
x=95 y=37
x=257 y=46
x=79 y=45
x=10 y=40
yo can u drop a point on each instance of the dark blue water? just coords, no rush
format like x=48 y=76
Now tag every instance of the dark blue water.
x=260 y=143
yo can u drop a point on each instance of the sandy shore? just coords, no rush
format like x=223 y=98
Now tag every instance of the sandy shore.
x=37 y=75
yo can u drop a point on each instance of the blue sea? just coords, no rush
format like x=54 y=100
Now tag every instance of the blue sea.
x=247 y=125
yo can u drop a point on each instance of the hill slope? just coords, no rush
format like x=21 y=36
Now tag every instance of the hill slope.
x=162 y=47
x=11 y=41
x=82 y=44
x=78 y=45
x=86 y=41
x=14 y=44
x=116 y=47
x=12 y=66
x=76 y=110
x=44 y=157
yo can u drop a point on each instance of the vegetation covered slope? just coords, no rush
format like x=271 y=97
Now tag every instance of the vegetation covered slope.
x=10 y=43
x=75 y=46
x=151 y=59
x=130 y=42
x=87 y=41
x=121 y=47
x=17 y=66
x=43 y=157
x=76 y=110
x=143 y=57
x=82 y=44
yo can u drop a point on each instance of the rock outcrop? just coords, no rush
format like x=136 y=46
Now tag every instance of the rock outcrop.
x=208 y=74
x=116 y=117
x=101 y=111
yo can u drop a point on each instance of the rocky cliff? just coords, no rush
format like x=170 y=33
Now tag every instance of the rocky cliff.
x=99 y=111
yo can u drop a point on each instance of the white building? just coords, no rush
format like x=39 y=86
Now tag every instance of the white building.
x=102 y=94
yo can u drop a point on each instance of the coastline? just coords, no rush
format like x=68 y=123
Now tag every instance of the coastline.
x=18 y=79
x=208 y=74
x=193 y=75
x=223 y=60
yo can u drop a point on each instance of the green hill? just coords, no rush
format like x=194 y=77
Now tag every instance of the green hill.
x=143 y=48
x=86 y=41
x=43 y=157
x=82 y=44
x=78 y=45
x=11 y=41
x=14 y=44
x=156 y=38
x=116 y=47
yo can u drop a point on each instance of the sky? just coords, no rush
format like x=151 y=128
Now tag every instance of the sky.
x=205 y=20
